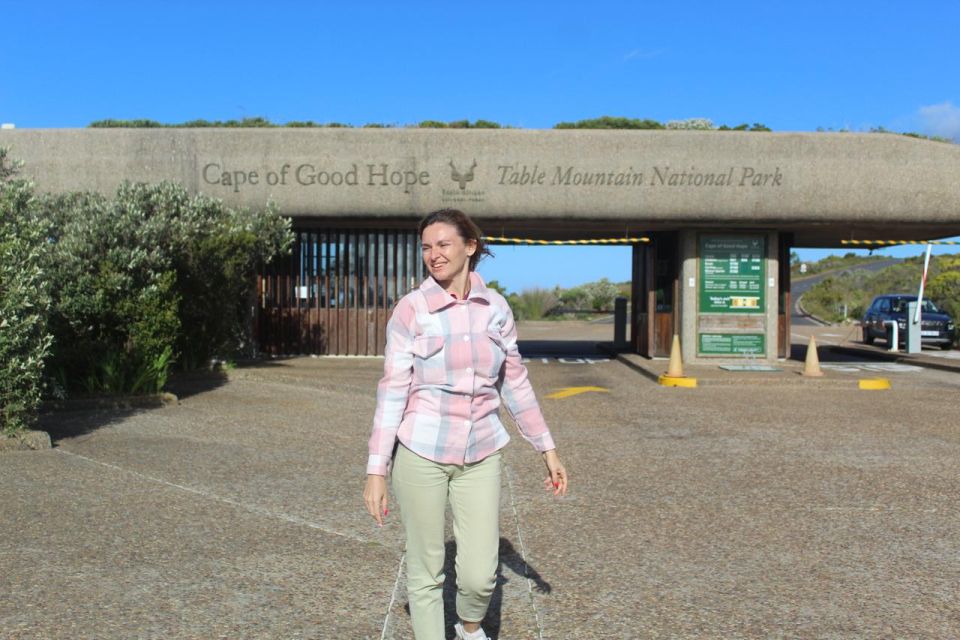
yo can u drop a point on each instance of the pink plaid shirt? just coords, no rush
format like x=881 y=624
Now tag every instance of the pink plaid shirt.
x=447 y=363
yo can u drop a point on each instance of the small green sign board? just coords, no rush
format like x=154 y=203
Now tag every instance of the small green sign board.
x=721 y=344
x=731 y=274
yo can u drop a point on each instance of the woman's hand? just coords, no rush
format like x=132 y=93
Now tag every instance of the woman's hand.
x=557 y=478
x=375 y=497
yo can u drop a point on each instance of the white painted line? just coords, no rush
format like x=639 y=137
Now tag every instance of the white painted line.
x=566 y=360
x=840 y=367
x=523 y=552
x=212 y=496
x=949 y=355
x=850 y=367
x=893 y=367
x=393 y=596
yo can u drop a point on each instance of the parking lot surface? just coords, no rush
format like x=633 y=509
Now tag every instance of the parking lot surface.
x=740 y=509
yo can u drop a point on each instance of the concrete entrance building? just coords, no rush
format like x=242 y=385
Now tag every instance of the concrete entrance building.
x=720 y=212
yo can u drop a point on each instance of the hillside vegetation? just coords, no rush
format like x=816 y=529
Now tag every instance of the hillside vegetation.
x=853 y=289
x=576 y=303
x=829 y=263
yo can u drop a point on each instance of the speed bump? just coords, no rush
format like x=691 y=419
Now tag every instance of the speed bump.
x=874 y=384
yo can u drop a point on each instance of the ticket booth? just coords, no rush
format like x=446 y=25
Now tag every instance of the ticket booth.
x=735 y=300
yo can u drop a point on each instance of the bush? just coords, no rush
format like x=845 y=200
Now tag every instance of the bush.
x=216 y=273
x=576 y=298
x=534 y=304
x=114 y=316
x=24 y=302
x=148 y=278
x=945 y=289
x=601 y=294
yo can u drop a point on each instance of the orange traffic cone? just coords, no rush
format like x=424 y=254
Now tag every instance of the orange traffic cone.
x=674 y=376
x=811 y=366
x=675 y=368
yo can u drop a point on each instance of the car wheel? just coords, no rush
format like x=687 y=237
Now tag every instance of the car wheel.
x=946 y=346
x=867 y=336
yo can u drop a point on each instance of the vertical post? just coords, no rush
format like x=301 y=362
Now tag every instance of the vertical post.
x=913 y=340
x=620 y=322
x=651 y=300
x=636 y=296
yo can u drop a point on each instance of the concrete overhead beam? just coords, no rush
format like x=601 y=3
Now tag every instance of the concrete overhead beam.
x=653 y=177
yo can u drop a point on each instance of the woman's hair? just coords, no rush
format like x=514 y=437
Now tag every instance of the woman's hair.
x=466 y=229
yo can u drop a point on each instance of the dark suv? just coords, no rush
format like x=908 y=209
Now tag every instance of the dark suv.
x=936 y=327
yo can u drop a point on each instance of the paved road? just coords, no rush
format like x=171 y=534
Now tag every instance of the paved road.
x=800 y=287
x=730 y=511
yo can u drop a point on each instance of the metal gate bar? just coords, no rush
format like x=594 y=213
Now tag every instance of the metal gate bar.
x=334 y=293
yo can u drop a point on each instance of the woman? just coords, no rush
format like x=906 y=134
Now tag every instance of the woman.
x=451 y=351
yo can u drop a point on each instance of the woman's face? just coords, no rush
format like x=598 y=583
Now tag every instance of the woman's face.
x=444 y=251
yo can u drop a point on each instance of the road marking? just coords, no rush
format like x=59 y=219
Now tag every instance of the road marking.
x=852 y=367
x=252 y=508
x=874 y=384
x=843 y=368
x=895 y=368
x=508 y=472
x=566 y=360
x=393 y=597
x=951 y=355
x=568 y=392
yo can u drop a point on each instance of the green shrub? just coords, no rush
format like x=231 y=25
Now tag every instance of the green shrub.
x=535 y=304
x=575 y=298
x=24 y=302
x=115 y=309
x=151 y=277
x=944 y=288
x=216 y=277
x=601 y=294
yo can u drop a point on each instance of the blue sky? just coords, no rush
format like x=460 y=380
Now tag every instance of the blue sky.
x=795 y=66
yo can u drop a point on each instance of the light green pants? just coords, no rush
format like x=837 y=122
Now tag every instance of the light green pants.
x=422 y=488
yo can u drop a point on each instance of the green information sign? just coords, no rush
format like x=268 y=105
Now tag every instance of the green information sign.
x=716 y=344
x=731 y=274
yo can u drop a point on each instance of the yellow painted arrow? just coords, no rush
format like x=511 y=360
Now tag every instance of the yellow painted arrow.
x=572 y=391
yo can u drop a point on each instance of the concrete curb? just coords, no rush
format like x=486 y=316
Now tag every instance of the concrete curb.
x=620 y=357
x=111 y=403
x=806 y=313
x=706 y=376
x=25 y=441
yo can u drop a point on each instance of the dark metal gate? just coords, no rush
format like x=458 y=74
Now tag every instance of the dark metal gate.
x=334 y=293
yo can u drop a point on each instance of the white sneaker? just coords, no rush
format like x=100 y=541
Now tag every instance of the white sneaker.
x=463 y=635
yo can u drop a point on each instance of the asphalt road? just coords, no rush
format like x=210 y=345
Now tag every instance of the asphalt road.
x=800 y=287
x=772 y=507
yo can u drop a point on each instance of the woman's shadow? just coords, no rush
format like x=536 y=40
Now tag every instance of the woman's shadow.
x=508 y=557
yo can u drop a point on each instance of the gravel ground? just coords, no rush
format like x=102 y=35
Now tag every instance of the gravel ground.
x=733 y=510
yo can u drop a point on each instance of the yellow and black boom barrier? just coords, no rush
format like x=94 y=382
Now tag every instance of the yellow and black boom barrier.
x=891 y=243
x=505 y=240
